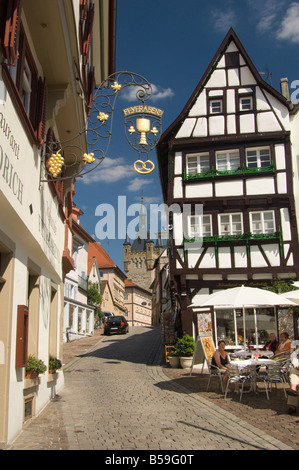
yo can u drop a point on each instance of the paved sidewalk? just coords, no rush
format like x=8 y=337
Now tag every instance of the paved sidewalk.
x=268 y=417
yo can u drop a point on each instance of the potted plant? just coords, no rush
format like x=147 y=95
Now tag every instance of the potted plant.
x=54 y=364
x=185 y=350
x=174 y=360
x=34 y=367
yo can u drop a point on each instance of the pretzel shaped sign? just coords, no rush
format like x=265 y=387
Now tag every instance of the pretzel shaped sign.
x=144 y=169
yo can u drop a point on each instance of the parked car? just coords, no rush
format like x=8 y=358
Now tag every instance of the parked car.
x=106 y=315
x=116 y=324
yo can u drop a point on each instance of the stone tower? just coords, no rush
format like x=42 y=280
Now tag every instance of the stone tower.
x=140 y=256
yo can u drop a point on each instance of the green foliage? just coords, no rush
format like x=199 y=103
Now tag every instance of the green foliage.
x=279 y=287
x=54 y=364
x=185 y=346
x=35 y=365
x=94 y=297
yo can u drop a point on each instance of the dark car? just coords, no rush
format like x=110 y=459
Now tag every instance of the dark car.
x=116 y=324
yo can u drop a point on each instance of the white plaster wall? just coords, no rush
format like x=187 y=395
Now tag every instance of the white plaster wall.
x=38 y=235
x=260 y=186
x=187 y=128
x=177 y=188
x=247 y=123
x=199 y=190
x=217 y=79
x=227 y=188
x=178 y=163
x=201 y=128
x=281 y=183
x=246 y=77
x=280 y=157
x=272 y=253
x=224 y=257
x=294 y=125
x=257 y=259
x=216 y=125
x=230 y=104
x=285 y=224
x=240 y=254
x=267 y=122
x=231 y=124
x=200 y=105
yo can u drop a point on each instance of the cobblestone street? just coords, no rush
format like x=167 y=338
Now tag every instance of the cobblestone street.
x=117 y=396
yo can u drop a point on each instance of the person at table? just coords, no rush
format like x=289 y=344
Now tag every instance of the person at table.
x=293 y=395
x=220 y=359
x=272 y=344
x=284 y=347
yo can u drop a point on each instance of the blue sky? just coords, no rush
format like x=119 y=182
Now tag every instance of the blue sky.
x=171 y=43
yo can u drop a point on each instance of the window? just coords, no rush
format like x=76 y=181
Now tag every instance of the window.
x=27 y=90
x=26 y=87
x=259 y=323
x=230 y=224
x=199 y=226
x=215 y=106
x=198 y=163
x=229 y=160
x=258 y=158
x=262 y=222
x=246 y=103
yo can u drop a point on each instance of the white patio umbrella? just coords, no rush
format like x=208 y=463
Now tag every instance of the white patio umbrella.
x=242 y=297
x=292 y=295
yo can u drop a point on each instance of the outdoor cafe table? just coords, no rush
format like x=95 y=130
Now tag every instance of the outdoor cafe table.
x=258 y=362
x=246 y=353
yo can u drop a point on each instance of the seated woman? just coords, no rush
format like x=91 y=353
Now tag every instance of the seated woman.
x=220 y=359
x=284 y=347
x=272 y=344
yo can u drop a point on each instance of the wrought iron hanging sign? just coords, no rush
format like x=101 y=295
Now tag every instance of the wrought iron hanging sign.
x=70 y=158
x=143 y=125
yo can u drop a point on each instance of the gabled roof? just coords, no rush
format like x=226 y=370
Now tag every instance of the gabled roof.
x=103 y=259
x=168 y=138
x=129 y=283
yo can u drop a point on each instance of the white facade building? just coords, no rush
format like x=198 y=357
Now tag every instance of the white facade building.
x=41 y=53
x=230 y=155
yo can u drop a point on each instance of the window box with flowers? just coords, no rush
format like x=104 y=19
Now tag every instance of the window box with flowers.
x=34 y=367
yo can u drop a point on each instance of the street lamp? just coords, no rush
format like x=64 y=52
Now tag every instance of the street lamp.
x=69 y=159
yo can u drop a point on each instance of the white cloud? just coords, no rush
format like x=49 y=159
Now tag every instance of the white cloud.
x=158 y=93
x=116 y=170
x=110 y=170
x=138 y=183
x=289 y=29
x=223 y=20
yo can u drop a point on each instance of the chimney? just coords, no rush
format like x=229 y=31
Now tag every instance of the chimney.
x=284 y=86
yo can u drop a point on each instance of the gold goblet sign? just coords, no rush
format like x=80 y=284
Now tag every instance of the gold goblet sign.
x=143 y=126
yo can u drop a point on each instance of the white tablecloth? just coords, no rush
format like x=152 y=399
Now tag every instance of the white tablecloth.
x=252 y=362
x=250 y=352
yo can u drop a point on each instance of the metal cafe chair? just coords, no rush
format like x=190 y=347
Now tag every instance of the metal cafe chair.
x=240 y=375
x=214 y=371
x=275 y=374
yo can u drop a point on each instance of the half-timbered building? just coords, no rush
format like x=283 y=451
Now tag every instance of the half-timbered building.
x=228 y=155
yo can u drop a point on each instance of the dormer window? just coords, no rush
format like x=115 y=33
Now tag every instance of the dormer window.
x=216 y=106
x=246 y=103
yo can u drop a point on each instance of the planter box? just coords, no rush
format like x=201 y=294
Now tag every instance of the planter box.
x=174 y=361
x=186 y=362
x=52 y=376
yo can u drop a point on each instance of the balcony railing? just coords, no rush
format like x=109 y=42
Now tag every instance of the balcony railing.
x=242 y=170
x=244 y=237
